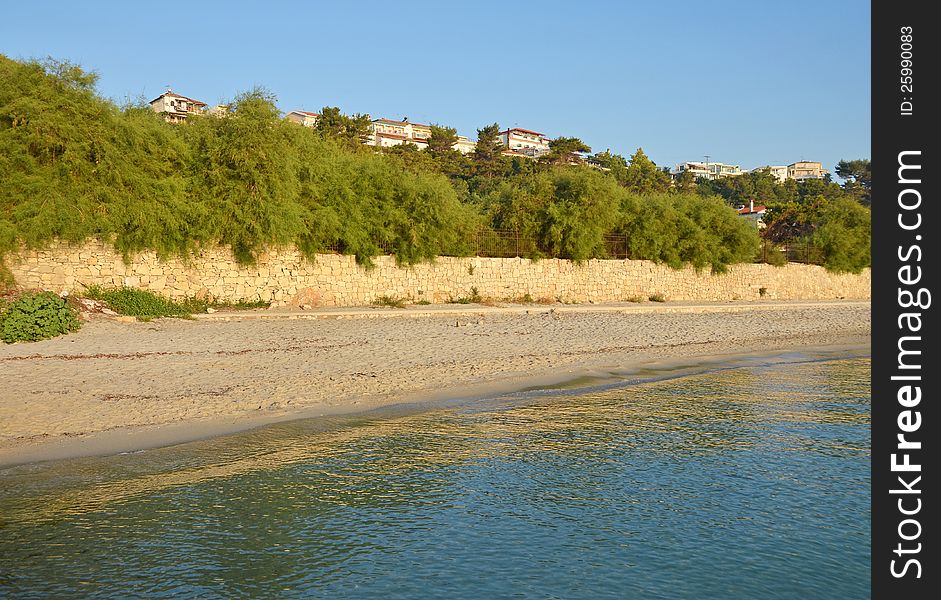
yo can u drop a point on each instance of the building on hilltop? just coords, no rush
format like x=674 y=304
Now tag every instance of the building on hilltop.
x=176 y=108
x=302 y=117
x=803 y=170
x=465 y=145
x=707 y=170
x=799 y=171
x=388 y=132
x=778 y=172
x=524 y=142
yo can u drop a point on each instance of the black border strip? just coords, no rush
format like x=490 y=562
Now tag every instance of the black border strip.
x=904 y=271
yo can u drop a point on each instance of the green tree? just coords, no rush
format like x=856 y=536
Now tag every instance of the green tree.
x=643 y=176
x=73 y=165
x=685 y=183
x=442 y=140
x=811 y=189
x=565 y=150
x=757 y=186
x=682 y=228
x=843 y=235
x=411 y=158
x=350 y=130
x=567 y=210
x=791 y=221
x=488 y=152
x=243 y=165
x=858 y=176
x=614 y=164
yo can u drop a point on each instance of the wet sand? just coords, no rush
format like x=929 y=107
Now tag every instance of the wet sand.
x=117 y=385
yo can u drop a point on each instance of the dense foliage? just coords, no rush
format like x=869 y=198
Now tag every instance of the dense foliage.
x=143 y=304
x=74 y=166
x=687 y=228
x=34 y=317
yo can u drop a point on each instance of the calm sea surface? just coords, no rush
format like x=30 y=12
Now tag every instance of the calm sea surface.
x=748 y=482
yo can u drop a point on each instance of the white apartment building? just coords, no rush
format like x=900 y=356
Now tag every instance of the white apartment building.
x=708 y=170
x=465 y=145
x=176 y=108
x=803 y=170
x=302 y=117
x=799 y=171
x=388 y=132
x=779 y=172
x=525 y=142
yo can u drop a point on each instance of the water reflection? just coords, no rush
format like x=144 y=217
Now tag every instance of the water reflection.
x=763 y=467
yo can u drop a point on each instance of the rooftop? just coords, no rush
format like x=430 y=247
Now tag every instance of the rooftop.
x=394 y=122
x=521 y=130
x=173 y=95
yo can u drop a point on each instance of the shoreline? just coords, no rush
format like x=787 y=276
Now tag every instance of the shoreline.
x=363 y=365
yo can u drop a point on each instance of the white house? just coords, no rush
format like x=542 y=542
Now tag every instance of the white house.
x=799 y=171
x=465 y=145
x=778 y=172
x=753 y=213
x=302 y=117
x=708 y=170
x=524 y=142
x=176 y=108
x=388 y=132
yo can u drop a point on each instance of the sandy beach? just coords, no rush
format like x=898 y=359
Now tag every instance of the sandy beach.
x=118 y=385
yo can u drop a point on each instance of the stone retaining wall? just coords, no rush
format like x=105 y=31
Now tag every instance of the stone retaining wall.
x=285 y=278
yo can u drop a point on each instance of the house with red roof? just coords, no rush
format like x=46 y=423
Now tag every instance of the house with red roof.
x=753 y=213
x=389 y=132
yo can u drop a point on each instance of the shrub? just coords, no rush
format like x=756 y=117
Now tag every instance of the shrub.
x=566 y=210
x=677 y=229
x=473 y=298
x=657 y=298
x=35 y=317
x=390 y=301
x=143 y=304
x=844 y=236
x=835 y=233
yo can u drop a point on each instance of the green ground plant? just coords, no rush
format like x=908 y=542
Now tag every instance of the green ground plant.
x=201 y=305
x=390 y=301
x=143 y=304
x=473 y=298
x=34 y=317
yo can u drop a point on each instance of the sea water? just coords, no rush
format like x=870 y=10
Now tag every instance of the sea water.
x=746 y=482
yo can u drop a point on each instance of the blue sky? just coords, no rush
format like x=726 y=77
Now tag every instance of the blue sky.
x=747 y=83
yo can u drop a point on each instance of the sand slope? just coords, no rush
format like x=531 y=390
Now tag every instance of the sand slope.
x=115 y=374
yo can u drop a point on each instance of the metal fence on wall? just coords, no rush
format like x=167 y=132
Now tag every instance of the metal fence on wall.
x=795 y=252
